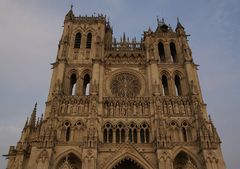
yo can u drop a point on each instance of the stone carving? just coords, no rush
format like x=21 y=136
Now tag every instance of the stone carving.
x=74 y=105
x=125 y=85
x=118 y=107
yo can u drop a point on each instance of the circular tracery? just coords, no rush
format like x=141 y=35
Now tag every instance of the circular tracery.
x=125 y=85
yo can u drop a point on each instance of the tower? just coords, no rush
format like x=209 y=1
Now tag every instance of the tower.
x=116 y=105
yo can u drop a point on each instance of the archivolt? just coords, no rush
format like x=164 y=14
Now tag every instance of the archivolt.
x=138 y=160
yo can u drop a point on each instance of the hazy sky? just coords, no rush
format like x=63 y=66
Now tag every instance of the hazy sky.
x=30 y=31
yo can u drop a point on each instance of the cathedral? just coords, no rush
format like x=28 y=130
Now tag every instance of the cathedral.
x=120 y=104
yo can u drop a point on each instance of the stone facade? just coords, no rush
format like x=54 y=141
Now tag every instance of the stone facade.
x=118 y=105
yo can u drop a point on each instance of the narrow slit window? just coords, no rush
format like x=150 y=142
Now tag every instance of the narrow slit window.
x=184 y=134
x=105 y=136
x=68 y=133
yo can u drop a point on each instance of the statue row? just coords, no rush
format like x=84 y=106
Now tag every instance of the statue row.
x=182 y=108
x=126 y=109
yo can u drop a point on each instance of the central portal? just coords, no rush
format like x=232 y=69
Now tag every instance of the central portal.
x=127 y=164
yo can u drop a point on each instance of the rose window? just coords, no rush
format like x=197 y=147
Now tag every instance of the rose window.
x=125 y=85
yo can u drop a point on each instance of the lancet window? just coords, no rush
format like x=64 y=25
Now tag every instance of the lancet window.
x=173 y=52
x=144 y=133
x=73 y=83
x=108 y=133
x=183 y=160
x=165 y=86
x=89 y=41
x=68 y=131
x=161 y=52
x=132 y=133
x=186 y=132
x=77 y=42
x=86 y=84
x=70 y=161
x=178 y=87
x=120 y=133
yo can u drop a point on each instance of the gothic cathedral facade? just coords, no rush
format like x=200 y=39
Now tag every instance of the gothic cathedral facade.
x=123 y=104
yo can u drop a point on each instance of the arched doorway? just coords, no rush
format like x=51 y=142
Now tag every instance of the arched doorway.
x=70 y=161
x=127 y=163
x=184 y=161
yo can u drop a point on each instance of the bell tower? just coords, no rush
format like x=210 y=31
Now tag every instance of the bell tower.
x=120 y=104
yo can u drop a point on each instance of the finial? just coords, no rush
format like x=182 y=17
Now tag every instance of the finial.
x=41 y=119
x=210 y=119
x=33 y=116
x=178 y=19
x=179 y=25
x=158 y=20
x=26 y=124
x=35 y=107
x=71 y=6
x=124 y=37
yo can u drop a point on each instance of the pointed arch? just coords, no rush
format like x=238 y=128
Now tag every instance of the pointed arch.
x=77 y=41
x=70 y=158
x=184 y=160
x=127 y=163
x=173 y=52
x=120 y=133
x=165 y=86
x=144 y=133
x=179 y=82
x=132 y=132
x=108 y=133
x=73 y=83
x=86 y=84
x=189 y=153
x=161 y=52
x=85 y=77
x=89 y=41
x=126 y=155
x=178 y=86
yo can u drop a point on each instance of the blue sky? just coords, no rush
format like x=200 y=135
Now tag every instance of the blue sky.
x=30 y=31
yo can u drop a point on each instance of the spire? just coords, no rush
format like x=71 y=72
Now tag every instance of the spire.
x=179 y=25
x=158 y=22
x=124 y=37
x=33 y=117
x=70 y=13
x=26 y=124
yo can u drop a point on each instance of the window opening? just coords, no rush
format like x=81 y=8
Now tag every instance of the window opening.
x=161 y=52
x=184 y=133
x=165 y=86
x=77 y=43
x=73 y=83
x=178 y=86
x=68 y=133
x=89 y=41
x=86 y=85
x=173 y=52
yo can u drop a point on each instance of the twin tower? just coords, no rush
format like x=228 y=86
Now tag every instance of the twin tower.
x=124 y=104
